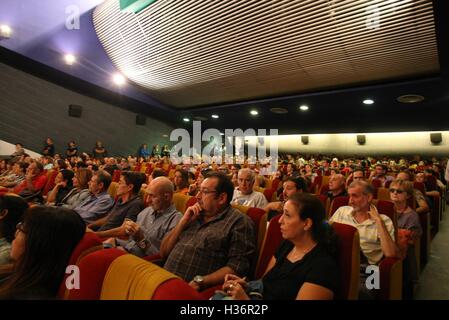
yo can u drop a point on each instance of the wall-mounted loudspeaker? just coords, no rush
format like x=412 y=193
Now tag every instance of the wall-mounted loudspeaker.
x=305 y=139
x=436 y=138
x=140 y=120
x=361 y=139
x=75 y=111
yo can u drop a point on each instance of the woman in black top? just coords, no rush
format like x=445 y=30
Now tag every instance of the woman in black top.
x=304 y=267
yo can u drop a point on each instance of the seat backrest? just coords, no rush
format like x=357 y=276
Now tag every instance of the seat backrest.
x=51 y=176
x=175 y=289
x=116 y=175
x=272 y=240
x=383 y=194
x=420 y=186
x=259 y=217
x=112 y=190
x=386 y=207
x=376 y=183
x=316 y=185
x=268 y=193
x=88 y=244
x=324 y=189
x=348 y=260
x=338 y=202
x=93 y=268
x=180 y=200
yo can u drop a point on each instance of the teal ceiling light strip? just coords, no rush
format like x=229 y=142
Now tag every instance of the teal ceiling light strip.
x=134 y=6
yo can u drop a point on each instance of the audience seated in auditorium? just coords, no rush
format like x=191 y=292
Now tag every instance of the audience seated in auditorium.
x=153 y=223
x=40 y=252
x=99 y=202
x=376 y=230
x=244 y=193
x=356 y=175
x=212 y=239
x=409 y=232
x=127 y=206
x=72 y=150
x=80 y=189
x=304 y=266
x=63 y=186
x=12 y=209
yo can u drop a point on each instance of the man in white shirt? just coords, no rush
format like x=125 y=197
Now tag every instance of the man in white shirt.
x=244 y=193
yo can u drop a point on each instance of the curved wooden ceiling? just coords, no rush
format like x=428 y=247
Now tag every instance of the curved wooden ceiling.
x=192 y=53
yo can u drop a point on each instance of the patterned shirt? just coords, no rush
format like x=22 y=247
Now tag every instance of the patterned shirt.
x=202 y=248
x=155 y=225
x=368 y=232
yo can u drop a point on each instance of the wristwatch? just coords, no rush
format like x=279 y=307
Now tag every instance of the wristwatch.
x=142 y=244
x=199 y=280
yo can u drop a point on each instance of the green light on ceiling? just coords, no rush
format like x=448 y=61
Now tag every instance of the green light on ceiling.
x=134 y=6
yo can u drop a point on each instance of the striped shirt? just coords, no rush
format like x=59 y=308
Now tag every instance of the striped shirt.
x=202 y=248
x=368 y=232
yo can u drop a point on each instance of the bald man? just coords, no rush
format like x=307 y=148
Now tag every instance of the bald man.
x=337 y=186
x=154 y=222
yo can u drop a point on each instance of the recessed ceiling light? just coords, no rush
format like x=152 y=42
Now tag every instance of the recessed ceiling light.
x=304 y=107
x=215 y=116
x=186 y=119
x=221 y=134
x=5 y=31
x=69 y=59
x=368 y=101
x=410 y=98
x=279 y=110
x=165 y=135
x=254 y=112
x=119 y=79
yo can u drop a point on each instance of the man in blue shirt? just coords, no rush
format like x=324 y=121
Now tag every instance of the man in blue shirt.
x=98 y=204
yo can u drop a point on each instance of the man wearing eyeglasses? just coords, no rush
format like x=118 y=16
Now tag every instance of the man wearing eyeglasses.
x=212 y=239
x=376 y=230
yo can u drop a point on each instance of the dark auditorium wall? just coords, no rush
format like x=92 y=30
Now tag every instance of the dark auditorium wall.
x=32 y=109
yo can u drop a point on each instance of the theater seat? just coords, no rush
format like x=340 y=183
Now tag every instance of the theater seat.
x=176 y=289
x=93 y=268
x=180 y=200
x=112 y=190
x=337 y=203
x=272 y=240
x=116 y=175
x=348 y=260
x=88 y=244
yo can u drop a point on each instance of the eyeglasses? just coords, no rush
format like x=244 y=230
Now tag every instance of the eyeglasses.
x=205 y=191
x=398 y=191
x=19 y=227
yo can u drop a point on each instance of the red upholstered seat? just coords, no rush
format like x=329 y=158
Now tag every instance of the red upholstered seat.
x=275 y=184
x=89 y=243
x=420 y=186
x=324 y=189
x=348 y=260
x=259 y=217
x=93 y=268
x=337 y=203
x=116 y=176
x=272 y=240
x=176 y=289
x=268 y=193
x=191 y=202
x=51 y=176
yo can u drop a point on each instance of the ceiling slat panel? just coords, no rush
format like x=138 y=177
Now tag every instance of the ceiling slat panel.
x=190 y=53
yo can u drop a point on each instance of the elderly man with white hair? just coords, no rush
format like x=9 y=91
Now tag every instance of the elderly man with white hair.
x=244 y=193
